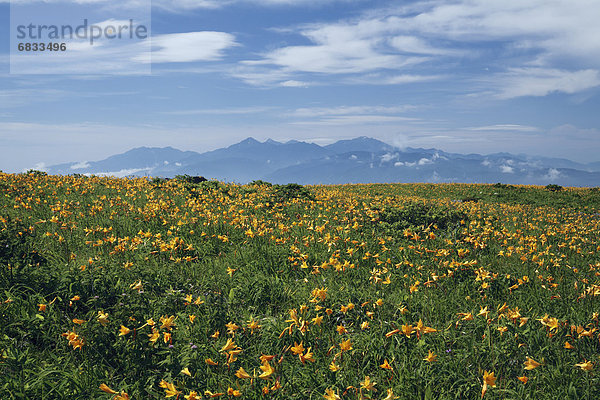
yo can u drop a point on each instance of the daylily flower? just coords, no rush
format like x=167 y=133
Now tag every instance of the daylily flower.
x=431 y=357
x=267 y=370
x=331 y=395
x=390 y=395
x=530 y=364
x=297 y=349
x=488 y=380
x=106 y=389
x=170 y=389
x=346 y=345
x=586 y=366
x=367 y=384
x=102 y=318
x=242 y=374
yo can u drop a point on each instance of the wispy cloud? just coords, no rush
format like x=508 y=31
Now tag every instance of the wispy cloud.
x=505 y=127
x=191 y=46
x=391 y=79
x=541 y=44
x=351 y=115
x=221 y=111
x=336 y=49
x=351 y=110
x=519 y=82
x=127 y=58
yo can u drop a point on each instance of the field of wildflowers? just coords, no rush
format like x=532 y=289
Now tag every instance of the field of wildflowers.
x=153 y=289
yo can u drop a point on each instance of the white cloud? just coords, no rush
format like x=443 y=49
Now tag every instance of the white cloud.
x=333 y=58
x=191 y=46
x=546 y=47
x=413 y=44
x=351 y=115
x=388 y=157
x=294 y=83
x=127 y=56
x=260 y=76
x=124 y=172
x=389 y=79
x=406 y=78
x=557 y=28
x=38 y=167
x=519 y=82
x=506 y=127
x=351 y=110
x=81 y=165
x=507 y=169
x=552 y=174
x=341 y=48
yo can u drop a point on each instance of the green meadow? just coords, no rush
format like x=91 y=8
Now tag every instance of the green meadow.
x=153 y=289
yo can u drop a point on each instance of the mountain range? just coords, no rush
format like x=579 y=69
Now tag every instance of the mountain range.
x=359 y=160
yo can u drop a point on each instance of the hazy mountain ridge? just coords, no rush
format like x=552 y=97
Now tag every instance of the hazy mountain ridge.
x=359 y=160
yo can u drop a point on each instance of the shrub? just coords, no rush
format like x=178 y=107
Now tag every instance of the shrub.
x=260 y=183
x=415 y=215
x=290 y=191
x=36 y=172
x=191 y=179
x=502 y=186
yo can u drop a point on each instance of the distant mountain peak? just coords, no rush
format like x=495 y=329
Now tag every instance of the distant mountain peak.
x=361 y=143
x=249 y=140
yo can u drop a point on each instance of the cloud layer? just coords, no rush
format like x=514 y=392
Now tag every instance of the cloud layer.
x=540 y=45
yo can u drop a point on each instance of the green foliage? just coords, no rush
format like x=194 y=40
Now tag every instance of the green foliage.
x=191 y=179
x=36 y=173
x=503 y=186
x=198 y=184
x=283 y=193
x=420 y=215
x=17 y=248
x=260 y=183
x=554 y=188
x=158 y=180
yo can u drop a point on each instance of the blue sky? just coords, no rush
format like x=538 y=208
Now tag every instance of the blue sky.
x=462 y=76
